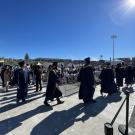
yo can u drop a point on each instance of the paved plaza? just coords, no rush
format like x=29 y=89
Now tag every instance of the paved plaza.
x=70 y=118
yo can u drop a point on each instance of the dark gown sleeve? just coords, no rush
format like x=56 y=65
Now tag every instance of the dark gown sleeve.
x=92 y=77
x=15 y=77
x=100 y=76
x=79 y=76
x=28 y=77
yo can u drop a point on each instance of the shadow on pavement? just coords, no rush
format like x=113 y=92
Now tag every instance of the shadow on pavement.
x=16 y=121
x=130 y=89
x=7 y=94
x=12 y=106
x=13 y=98
x=114 y=98
x=11 y=92
x=132 y=119
x=59 y=121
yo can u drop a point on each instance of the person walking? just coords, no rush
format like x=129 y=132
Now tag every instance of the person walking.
x=107 y=80
x=129 y=76
x=86 y=79
x=7 y=78
x=22 y=80
x=2 y=75
x=38 y=74
x=119 y=70
x=53 y=90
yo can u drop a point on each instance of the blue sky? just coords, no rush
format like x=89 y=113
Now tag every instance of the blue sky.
x=71 y=29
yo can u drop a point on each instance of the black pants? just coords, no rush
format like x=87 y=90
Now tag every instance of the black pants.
x=38 y=82
x=21 y=94
x=2 y=78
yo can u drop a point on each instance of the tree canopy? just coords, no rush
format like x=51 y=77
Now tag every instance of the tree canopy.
x=26 y=57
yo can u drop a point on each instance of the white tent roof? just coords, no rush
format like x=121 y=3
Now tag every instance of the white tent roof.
x=39 y=64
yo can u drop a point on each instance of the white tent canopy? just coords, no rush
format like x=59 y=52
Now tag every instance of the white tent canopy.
x=39 y=64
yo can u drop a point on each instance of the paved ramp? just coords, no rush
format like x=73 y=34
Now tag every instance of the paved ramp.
x=70 y=118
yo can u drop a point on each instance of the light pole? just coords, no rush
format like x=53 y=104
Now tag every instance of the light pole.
x=113 y=37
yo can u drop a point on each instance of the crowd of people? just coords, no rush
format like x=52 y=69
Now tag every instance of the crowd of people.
x=22 y=75
x=111 y=79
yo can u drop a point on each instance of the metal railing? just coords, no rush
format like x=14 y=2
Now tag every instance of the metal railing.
x=123 y=129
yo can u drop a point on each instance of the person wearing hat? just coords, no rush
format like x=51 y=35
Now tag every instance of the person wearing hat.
x=52 y=90
x=22 y=81
x=86 y=79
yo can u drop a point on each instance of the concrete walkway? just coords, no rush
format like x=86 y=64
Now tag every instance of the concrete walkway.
x=70 y=118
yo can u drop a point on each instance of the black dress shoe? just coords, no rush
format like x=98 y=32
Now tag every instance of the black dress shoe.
x=24 y=101
x=93 y=101
x=101 y=93
x=109 y=94
x=45 y=103
x=86 y=101
x=60 y=102
x=17 y=101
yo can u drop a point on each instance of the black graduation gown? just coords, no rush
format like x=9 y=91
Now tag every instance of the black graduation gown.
x=119 y=76
x=86 y=79
x=107 y=81
x=22 y=84
x=103 y=80
x=129 y=75
x=52 y=90
x=2 y=76
x=134 y=72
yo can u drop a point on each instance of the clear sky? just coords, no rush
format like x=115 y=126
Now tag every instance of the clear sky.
x=70 y=29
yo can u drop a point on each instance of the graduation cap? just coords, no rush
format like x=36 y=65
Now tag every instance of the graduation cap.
x=87 y=60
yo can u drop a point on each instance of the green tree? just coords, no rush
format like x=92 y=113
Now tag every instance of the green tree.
x=26 y=57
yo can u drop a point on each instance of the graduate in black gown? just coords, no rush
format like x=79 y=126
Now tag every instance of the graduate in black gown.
x=2 y=76
x=107 y=81
x=86 y=79
x=22 y=80
x=52 y=90
x=103 y=80
x=129 y=75
x=119 y=75
x=134 y=73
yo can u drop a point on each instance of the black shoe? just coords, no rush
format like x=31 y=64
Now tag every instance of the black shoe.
x=40 y=89
x=86 y=101
x=93 y=101
x=101 y=93
x=60 y=102
x=17 y=101
x=109 y=94
x=23 y=101
x=45 y=103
